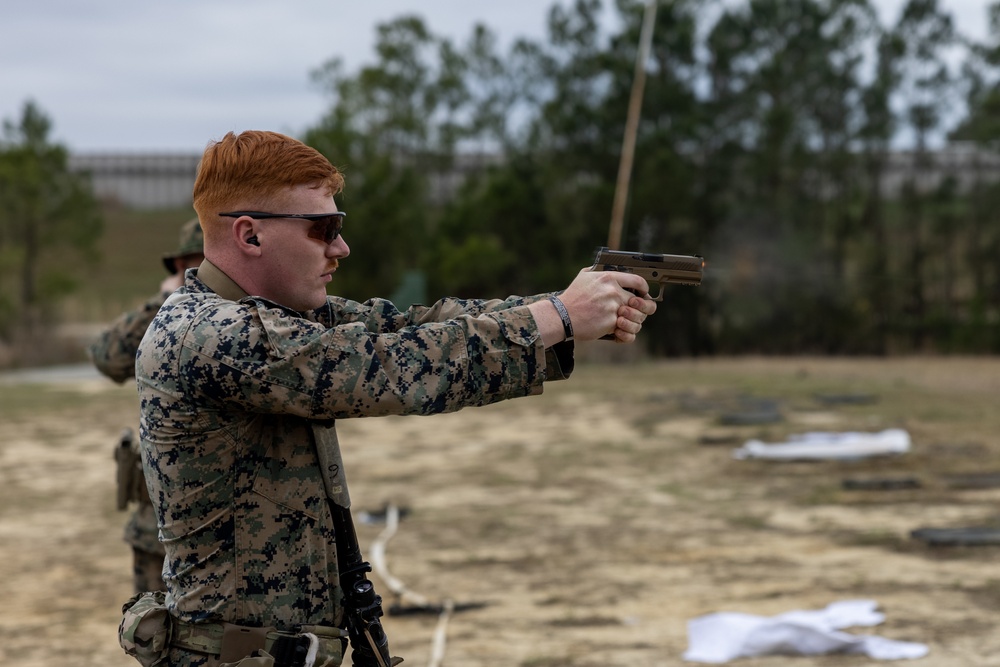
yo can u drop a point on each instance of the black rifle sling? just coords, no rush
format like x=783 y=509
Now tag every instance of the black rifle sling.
x=362 y=606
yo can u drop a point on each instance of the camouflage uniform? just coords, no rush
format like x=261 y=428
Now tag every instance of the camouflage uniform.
x=238 y=393
x=113 y=353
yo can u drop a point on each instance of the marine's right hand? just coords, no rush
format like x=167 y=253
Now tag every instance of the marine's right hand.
x=606 y=302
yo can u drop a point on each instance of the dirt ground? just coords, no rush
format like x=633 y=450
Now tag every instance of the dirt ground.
x=585 y=526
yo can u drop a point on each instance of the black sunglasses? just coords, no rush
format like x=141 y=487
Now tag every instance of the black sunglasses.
x=326 y=226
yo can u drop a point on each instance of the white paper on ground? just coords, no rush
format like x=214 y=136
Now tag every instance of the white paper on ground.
x=823 y=445
x=724 y=636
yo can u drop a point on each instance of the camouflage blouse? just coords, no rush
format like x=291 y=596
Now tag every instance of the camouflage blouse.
x=113 y=352
x=236 y=395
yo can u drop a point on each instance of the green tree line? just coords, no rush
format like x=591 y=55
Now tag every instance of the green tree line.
x=766 y=139
x=764 y=144
x=44 y=209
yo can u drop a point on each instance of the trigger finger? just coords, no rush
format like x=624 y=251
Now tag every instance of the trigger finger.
x=646 y=306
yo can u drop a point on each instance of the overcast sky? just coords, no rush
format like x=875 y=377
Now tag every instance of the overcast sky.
x=118 y=75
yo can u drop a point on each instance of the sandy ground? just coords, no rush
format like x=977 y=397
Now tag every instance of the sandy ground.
x=589 y=524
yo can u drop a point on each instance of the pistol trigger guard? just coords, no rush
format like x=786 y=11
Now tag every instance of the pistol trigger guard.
x=659 y=293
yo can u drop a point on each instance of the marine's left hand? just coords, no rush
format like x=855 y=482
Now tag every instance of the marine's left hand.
x=631 y=315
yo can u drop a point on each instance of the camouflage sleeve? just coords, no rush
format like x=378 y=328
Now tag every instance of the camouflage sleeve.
x=113 y=352
x=261 y=358
x=447 y=309
x=381 y=316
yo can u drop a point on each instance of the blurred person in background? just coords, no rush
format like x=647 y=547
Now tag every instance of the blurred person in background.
x=244 y=371
x=113 y=353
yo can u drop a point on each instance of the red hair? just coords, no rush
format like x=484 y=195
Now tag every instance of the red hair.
x=251 y=169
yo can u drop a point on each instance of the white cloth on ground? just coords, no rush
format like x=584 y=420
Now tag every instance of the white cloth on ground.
x=823 y=445
x=724 y=636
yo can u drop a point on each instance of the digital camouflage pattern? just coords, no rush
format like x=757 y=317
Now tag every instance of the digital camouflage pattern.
x=147 y=552
x=236 y=395
x=113 y=351
x=113 y=354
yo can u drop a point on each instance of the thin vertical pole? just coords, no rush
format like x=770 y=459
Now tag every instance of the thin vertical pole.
x=631 y=128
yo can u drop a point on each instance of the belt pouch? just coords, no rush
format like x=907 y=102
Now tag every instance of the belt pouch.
x=239 y=641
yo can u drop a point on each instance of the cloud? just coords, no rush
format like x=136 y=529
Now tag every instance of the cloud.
x=171 y=75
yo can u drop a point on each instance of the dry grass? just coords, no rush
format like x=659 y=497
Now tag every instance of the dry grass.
x=594 y=520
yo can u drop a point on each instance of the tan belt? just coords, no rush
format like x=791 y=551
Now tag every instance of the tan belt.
x=234 y=642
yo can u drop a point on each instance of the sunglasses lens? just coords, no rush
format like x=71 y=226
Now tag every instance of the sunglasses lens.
x=327 y=228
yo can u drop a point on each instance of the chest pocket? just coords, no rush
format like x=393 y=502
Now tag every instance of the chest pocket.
x=288 y=475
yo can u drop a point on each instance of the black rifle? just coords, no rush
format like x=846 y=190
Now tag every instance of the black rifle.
x=362 y=605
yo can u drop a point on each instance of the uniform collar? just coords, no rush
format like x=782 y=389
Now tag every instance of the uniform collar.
x=214 y=279
x=219 y=282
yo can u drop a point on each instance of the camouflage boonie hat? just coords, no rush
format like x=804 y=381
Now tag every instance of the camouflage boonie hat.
x=192 y=242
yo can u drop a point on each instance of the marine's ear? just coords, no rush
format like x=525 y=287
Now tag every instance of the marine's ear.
x=244 y=232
